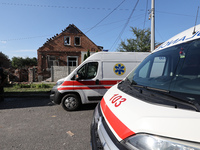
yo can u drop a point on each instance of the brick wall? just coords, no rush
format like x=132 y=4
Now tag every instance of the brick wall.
x=55 y=46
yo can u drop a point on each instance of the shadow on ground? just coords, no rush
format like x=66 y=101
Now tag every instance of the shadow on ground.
x=25 y=102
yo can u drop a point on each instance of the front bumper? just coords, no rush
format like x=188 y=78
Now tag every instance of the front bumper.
x=55 y=96
x=102 y=137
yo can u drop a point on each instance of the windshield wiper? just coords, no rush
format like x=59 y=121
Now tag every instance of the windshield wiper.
x=194 y=102
x=180 y=98
x=185 y=98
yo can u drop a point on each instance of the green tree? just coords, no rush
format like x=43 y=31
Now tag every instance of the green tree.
x=30 y=61
x=4 y=60
x=140 y=43
x=87 y=55
x=19 y=62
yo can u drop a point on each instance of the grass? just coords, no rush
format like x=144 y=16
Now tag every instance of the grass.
x=28 y=87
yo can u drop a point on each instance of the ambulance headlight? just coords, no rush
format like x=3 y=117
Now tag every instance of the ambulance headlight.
x=59 y=83
x=150 y=142
x=96 y=115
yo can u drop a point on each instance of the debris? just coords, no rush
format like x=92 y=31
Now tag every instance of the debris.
x=70 y=133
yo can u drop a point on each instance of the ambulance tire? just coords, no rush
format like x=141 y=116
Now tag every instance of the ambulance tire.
x=71 y=102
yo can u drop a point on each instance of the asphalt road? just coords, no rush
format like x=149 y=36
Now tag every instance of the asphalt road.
x=37 y=124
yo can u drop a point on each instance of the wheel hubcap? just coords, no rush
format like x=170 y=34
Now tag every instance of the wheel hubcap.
x=70 y=102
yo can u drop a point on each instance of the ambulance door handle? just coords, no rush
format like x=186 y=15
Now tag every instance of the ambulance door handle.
x=97 y=81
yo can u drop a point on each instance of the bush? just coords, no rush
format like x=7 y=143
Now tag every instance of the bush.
x=25 y=87
x=18 y=86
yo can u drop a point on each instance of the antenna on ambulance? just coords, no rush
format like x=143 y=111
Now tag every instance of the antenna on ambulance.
x=196 y=20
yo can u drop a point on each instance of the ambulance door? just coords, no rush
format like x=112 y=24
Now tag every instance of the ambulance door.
x=88 y=82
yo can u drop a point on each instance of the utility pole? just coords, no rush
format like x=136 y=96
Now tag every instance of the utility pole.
x=152 y=25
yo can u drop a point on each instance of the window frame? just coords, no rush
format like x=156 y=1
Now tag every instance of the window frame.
x=86 y=67
x=79 y=41
x=51 y=60
x=69 y=62
x=67 y=43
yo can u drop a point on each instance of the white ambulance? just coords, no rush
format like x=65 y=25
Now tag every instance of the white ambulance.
x=92 y=78
x=157 y=106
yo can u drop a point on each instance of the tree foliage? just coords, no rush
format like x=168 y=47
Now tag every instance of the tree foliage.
x=19 y=62
x=4 y=56
x=140 y=43
x=4 y=60
x=87 y=55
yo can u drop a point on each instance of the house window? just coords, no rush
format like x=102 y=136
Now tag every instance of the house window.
x=52 y=61
x=67 y=40
x=77 y=41
x=72 y=61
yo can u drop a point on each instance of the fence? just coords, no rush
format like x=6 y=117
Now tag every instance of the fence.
x=58 y=72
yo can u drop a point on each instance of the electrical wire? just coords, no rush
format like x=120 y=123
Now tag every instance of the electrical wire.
x=85 y=8
x=122 y=31
x=145 y=14
x=41 y=36
x=26 y=38
x=61 y=7
x=115 y=28
x=105 y=16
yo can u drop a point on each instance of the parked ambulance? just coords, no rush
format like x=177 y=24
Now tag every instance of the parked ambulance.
x=157 y=106
x=92 y=78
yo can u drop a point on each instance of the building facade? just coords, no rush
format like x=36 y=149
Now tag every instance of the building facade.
x=64 y=49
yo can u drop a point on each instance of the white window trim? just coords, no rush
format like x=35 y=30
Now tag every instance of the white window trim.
x=72 y=57
x=69 y=40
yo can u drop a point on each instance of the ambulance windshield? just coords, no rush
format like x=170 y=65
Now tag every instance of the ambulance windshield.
x=175 y=70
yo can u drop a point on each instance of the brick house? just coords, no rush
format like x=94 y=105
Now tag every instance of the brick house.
x=64 y=49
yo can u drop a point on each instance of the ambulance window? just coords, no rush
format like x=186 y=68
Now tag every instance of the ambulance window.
x=157 y=70
x=175 y=69
x=88 y=71
x=158 y=67
x=143 y=71
x=92 y=70
x=187 y=79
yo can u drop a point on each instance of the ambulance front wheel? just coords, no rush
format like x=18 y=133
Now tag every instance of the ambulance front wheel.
x=71 y=102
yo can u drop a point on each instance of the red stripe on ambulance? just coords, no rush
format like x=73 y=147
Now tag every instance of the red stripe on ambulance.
x=121 y=129
x=83 y=88
x=103 y=82
x=87 y=85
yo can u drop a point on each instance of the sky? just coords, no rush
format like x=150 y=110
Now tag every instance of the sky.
x=25 y=25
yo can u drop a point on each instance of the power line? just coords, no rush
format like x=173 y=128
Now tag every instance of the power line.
x=84 y=8
x=145 y=13
x=114 y=28
x=26 y=38
x=61 y=7
x=40 y=36
x=139 y=17
x=125 y=25
x=106 y=16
